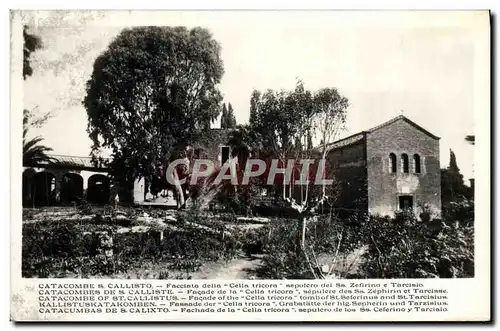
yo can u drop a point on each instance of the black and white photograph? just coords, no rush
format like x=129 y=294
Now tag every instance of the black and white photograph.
x=247 y=146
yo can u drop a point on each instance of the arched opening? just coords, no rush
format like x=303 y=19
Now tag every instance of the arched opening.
x=28 y=175
x=71 y=187
x=405 y=163
x=392 y=162
x=416 y=163
x=43 y=189
x=98 y=189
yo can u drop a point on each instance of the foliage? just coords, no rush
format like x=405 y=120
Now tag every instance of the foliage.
x=330 y=116
x=471 y=139
x=325 y=236
x=279 y=117
x=152 y=92
x=31 y=44
x=453 y=187
x=406 y=247
x=461 y=211
x=33 y=152
x=61 y=248
x=83 y=207
x=284 y=124
x=227 y=120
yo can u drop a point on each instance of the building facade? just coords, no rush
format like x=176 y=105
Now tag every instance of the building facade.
x=64 y=181
x=391 y=167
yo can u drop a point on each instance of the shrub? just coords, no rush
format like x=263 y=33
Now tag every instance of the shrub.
x=461 y=211
x=59 y=248
x=325 y=235
x=284 y=259
x=406 y=247
x=83 y=207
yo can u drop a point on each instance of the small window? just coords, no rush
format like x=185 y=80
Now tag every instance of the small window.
x=392 y=162
x=405 y=163
x=416 y=163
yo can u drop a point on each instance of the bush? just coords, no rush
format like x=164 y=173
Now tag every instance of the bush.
x=83 y=207
x=284 y=259
x=251 y=241
x=461 y=211
x=59 y=248
x=325 y=235
x=406 y=247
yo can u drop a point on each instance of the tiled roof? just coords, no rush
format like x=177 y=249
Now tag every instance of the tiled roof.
x=77 y=162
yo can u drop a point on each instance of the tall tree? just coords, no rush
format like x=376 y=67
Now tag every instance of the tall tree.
x=330 y=116
x=153 y=92
x=279 y=118
x=254 y=109
x=231 y=119
x=227 y=120
x=223 y=118
x=452 y=183
x=453 y=166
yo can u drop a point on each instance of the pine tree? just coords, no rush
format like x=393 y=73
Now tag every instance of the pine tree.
x=452 y=182
x=254 y=109
x=453 y=162
x=223 y=118
x=231 y=120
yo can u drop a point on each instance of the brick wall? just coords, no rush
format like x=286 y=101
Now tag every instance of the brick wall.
x=347 y=166
x=384 y=187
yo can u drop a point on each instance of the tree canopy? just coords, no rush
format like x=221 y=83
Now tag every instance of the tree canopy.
x=288 y=120
x=452 y=183
x=283 y=123
x=152 y=92
x=31 y=44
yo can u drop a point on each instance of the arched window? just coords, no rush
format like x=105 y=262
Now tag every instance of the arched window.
x=416 y=163
x=392 y=162
x=405 y=163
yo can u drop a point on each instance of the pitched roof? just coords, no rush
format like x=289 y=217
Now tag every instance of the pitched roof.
x=347 y=141
x=407 y=120
x=352 y=139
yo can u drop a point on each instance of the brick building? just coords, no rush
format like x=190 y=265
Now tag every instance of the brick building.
x=387 y=168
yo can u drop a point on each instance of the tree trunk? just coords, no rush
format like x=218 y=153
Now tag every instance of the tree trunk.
x=179 y=190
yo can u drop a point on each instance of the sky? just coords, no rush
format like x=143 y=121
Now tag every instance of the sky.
x=385 y=65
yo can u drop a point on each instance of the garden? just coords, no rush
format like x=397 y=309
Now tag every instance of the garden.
x=147 y=243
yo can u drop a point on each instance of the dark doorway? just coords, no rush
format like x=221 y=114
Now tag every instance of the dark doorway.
x=43 y=189
x=28 y=175
x=98 y=189
x=71 y=188
x=224 y=154
x=406 y=202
